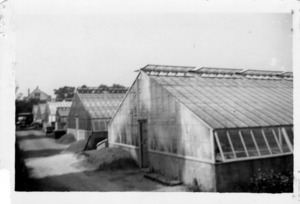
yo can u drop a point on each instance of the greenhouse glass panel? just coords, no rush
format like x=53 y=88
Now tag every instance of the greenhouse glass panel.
x=224 y=145
x=272 y=141
x=290 y=134
x=260 y=141
x=237 y=144
x=249 y=143
x=281 y=140
x=95 y=125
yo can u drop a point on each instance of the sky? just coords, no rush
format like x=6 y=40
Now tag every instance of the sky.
x=90 y=46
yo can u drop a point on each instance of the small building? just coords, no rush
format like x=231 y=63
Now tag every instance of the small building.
x=92 y=110
x=51 y=109
x=62 y=117
x=38 y=95
x=218 y=126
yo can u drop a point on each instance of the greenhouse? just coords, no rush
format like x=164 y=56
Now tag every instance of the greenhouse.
x=61 y=117
x=51 y=108
x=41 y=110
x=216 y=125
x=92 y=110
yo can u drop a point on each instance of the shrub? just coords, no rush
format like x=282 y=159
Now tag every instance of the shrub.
x=195 y=187
x=269 y=181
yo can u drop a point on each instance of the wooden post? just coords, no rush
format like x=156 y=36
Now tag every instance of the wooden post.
x=213 y=148
x=77 y=126
x=138 y=117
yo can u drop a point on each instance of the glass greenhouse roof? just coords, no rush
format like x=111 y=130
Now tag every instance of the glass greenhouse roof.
x=166 y=68
x=218 y=70
x=53 y=105
x=101 y=105
x=99 y=90
x=224 y=102
x=261 y=72
x=63 y=111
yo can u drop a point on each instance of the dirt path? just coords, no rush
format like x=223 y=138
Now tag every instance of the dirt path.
x=35 y=143
x=50 y=169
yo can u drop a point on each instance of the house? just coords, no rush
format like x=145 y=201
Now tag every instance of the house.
x=92 y=109
x=51 y=109
x=215 y=125
x=61 y=117
x=38 y=95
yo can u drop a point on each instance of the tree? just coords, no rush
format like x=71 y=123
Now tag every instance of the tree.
x=103 y=86
x=64 y=93
x=23 y=106
x=118 y=86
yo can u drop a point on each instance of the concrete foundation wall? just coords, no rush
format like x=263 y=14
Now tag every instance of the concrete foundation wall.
x=236 y=176
x=185 y=169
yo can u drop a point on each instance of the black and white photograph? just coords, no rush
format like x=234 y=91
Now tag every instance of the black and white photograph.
x=192 y=97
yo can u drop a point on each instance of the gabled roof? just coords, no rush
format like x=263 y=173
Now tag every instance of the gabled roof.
x=231 y=98
x=53 y=105
x=37 y=90
x=101 y=105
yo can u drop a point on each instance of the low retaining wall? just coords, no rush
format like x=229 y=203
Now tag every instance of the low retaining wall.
x=236 y=176
x=184 y=169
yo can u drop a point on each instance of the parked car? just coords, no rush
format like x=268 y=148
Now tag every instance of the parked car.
x=24 y=120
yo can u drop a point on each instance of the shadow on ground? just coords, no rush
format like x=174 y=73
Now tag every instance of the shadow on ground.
x=32 y=137
x=103 y=181
x=40 y=153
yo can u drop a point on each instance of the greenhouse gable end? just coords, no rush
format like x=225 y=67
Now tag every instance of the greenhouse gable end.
x=92 y=110
x=215 y=125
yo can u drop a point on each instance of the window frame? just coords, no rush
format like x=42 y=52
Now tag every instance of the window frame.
x=281 y=130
